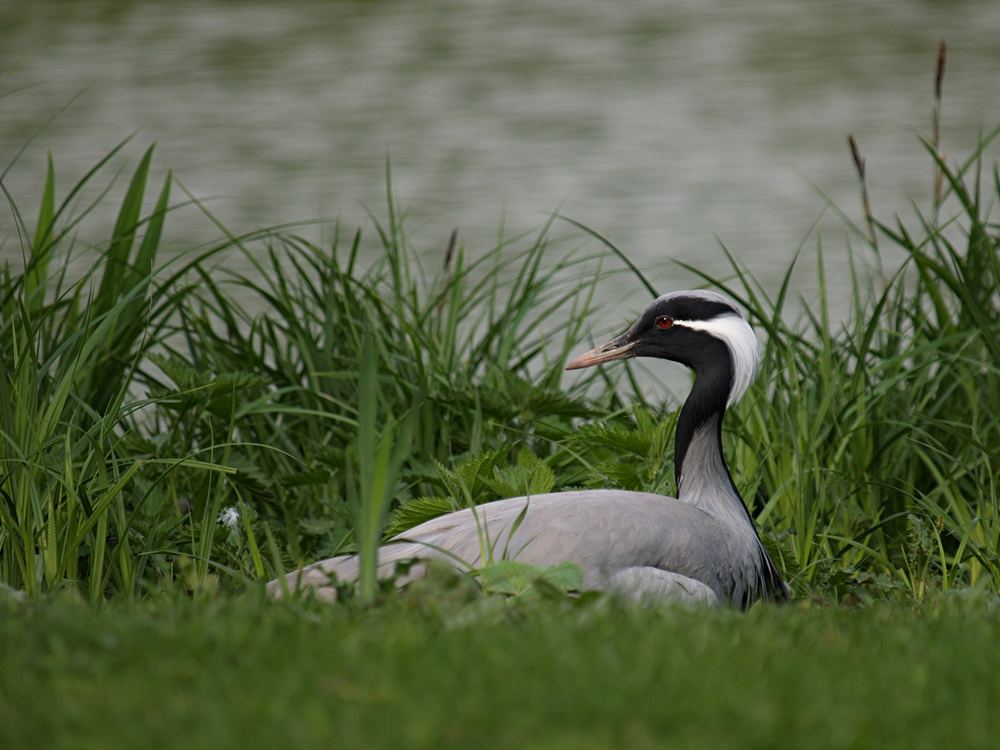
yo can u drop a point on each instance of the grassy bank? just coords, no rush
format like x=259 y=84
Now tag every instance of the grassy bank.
x=327 y=395
x=419 y=673
x=176 y=429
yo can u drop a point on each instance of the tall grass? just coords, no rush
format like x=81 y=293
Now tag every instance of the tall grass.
x=176 y=423
x=145 y=397
x=887 y=462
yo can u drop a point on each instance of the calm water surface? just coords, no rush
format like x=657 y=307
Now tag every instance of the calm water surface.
x=663 y=124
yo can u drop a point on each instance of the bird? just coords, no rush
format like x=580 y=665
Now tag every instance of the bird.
x=700 y=548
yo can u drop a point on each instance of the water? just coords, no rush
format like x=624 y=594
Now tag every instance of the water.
x=664 y=125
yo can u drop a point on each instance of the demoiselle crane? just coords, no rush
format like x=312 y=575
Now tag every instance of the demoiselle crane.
x=701 y=547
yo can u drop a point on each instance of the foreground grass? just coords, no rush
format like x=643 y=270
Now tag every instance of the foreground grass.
x=247 y=673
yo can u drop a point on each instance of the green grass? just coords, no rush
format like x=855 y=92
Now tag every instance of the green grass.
x=331 y=394
x=419 y=673
x=141 y=400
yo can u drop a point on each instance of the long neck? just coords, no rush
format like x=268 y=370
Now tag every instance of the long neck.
x=703 y=478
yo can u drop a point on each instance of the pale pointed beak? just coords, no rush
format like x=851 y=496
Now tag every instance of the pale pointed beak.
x=617 y=349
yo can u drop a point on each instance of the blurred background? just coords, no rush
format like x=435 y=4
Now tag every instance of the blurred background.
x=667 y=126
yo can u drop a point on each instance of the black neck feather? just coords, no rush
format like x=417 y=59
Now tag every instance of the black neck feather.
x=707 y=400
x=706 y=407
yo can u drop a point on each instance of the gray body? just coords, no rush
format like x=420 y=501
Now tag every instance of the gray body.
x=701 y=547
x=621 y=540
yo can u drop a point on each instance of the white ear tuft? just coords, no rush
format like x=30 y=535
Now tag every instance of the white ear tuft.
x=737 y=334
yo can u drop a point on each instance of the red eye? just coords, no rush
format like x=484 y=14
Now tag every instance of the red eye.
x=663 y=322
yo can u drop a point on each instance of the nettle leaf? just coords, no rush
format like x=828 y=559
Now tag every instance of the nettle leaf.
x=214 y=391
x=647 y=437
x=306 y=478
x=508 y=577
x=315 y=526
x=506 y=397
x=618 y=474
x=632 y=456
x=473 y=472
x=468 y=483
x=920 y=540
x=449 y=479
x=566 y=576
x=660 y=435
x=550 y=427
x=619 y=438
x=530 y=476
x=248 y=470
x=176 y=369
x=514 y=578
x=416 y=511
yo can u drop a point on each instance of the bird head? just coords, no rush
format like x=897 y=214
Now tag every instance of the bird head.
x=701 y=329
